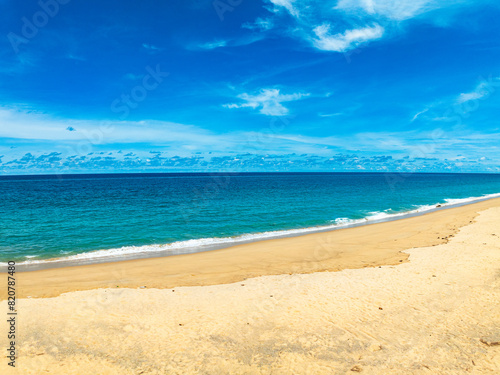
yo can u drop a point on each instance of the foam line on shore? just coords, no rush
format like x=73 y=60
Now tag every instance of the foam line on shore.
x=205 y=244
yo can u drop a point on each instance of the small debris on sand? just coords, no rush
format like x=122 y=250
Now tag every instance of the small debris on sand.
x=492 y=340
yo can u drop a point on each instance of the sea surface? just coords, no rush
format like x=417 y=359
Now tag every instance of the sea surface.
x=89 y=218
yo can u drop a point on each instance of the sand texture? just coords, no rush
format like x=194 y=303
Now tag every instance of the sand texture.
x=437 y=313
x=365 y=246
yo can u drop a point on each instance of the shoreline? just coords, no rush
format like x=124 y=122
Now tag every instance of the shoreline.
x=435 y=314
x=106 y=256
x=348 y=248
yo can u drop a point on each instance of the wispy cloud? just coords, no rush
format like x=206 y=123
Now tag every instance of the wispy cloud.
x=20 y=123
x=419 y=113
x=261 y=24
x=75 y=57
x=268 y=101
x=341 y=25
x=287 y=4
x=342 y=42
x=330 y=114
x=151 y=48
x=396 y=10
x=214 y=44
x=94 y=144
x=133 y=77
x=219 y=43
x=482 y=90
x=25 y=125
x=458 y=107
x=466 y=97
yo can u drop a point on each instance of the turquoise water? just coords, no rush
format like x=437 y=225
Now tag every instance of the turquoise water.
x=98 y=216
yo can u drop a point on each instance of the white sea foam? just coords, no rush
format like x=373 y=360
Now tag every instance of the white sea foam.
x=197 y=245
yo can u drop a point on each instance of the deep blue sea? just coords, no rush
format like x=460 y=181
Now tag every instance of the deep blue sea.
x=109 y=217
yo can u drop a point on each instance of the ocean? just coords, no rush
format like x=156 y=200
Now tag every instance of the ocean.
x=46 y=220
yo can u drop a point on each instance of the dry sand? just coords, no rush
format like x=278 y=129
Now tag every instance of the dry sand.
x=437 y=313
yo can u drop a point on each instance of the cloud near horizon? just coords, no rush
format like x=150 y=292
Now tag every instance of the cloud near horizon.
x=273 y=81
x=77 y=139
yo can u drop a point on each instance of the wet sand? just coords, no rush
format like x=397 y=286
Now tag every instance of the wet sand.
x=413 y=296
x=365 y=246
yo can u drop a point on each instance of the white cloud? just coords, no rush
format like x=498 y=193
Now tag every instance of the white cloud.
x=340 y=25
x=456 y=107
x=342 y=42
x=151 y=47
x=28 y=125
x=482 y=90
x=36 y=131
x=243 y=41
x=466 y=97
x=396 y=10
x=214 y=44
x=418 y=114
x=268 y=100
x=262 y=24
x=330 y=114
x=287 y=4
x=435 y=143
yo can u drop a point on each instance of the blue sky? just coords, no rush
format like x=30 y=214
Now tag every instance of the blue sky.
x=240 y=85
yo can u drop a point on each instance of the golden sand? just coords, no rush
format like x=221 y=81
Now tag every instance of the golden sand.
x=366 y=246
x=437 y=312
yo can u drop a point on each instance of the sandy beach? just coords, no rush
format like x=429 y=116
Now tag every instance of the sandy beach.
x=413 y=296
